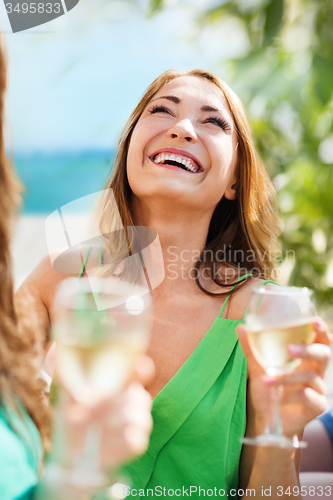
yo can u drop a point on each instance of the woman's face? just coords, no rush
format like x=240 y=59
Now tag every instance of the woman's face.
x=184 y=146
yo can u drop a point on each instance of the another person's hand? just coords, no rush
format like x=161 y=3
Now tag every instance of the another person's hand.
x=304 y=389
x=124 y=419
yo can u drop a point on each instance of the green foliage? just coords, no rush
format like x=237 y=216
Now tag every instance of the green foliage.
x=285 y=81
x=273 y=19
x=155 y=6
x=323 y=77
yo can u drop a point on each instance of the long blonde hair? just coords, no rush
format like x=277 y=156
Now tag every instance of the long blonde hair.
x=247 y=225
x=18 y=372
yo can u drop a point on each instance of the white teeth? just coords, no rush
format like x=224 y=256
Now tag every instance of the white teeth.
x=187 y=163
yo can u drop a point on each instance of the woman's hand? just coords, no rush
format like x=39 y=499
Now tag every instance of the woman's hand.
x=304 y=389
x=124 y=419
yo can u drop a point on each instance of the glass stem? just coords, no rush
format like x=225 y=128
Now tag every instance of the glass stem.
x=92 y=445
x=274 y=425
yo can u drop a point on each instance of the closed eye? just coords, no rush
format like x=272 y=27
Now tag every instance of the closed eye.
x=159 y=108
x=218 y=121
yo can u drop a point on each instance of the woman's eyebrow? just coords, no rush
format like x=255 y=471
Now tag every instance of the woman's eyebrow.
x=172 y=98
x=210 y=108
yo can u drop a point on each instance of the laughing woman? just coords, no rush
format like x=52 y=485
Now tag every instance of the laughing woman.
x=187 y=167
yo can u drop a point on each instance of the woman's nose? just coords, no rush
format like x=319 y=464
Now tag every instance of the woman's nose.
x=183 y=130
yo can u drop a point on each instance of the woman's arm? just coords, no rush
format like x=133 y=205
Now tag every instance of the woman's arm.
x=272 y=469
x=267 y=470
x=33 y=301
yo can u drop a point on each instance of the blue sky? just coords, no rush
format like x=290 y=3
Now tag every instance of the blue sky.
x=74 y=81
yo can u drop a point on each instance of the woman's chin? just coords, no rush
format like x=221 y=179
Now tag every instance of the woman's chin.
x=166 y=193
x=166 y=187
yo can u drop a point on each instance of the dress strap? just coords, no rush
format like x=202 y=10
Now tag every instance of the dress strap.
x=100 y=256
x=227 y=298
x=84 y=263
x=262 y=284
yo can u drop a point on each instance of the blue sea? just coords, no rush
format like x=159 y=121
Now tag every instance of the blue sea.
x=54 y=179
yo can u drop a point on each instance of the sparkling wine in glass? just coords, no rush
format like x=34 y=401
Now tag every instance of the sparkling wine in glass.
x=276 y=318
x=102 y=326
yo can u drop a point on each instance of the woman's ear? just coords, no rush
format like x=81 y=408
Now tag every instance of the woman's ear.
x=231 y=191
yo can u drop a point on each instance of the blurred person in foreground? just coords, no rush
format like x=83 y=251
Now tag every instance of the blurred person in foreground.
x=25 y=418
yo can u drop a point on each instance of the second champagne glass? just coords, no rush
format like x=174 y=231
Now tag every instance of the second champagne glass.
x=277 y=318
x=102 y=325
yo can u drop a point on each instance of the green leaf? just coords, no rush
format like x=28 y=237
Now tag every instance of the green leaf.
x=215 y=13
x=154 y=6
x=323 y=76
x=274 y=15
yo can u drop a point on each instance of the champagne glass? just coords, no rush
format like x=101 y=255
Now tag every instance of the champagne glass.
x=101 y=327
x=277 y=318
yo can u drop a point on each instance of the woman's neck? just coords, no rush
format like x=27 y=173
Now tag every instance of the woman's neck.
x=182 y=236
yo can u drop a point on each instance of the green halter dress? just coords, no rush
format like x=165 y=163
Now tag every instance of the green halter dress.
x=199 y=417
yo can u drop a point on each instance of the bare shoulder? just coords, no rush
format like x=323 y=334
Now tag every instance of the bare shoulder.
x=34 y=298
x=240 y=299
x=44 y=279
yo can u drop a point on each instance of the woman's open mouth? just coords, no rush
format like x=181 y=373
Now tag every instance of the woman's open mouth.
x=176 y=160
